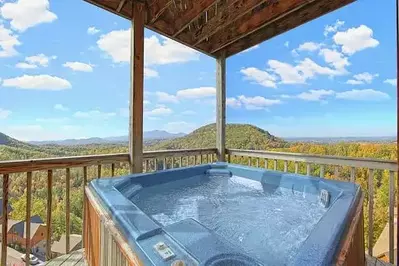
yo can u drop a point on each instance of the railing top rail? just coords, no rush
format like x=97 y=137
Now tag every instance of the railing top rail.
x=371 y=163
x=19 y=166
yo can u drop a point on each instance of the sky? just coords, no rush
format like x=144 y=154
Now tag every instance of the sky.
x=64 y=73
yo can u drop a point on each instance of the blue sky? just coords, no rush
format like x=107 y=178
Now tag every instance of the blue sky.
x=64 y=73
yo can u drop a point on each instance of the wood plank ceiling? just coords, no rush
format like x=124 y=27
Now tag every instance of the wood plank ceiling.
x=223 y=26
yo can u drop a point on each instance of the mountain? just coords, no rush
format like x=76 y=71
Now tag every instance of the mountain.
x=148 y=136
x=387 y=139
x=238 y=136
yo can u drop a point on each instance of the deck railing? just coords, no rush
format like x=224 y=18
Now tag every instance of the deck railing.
x=96 y=166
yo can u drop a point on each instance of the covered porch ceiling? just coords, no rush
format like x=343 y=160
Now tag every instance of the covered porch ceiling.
x=216 y=27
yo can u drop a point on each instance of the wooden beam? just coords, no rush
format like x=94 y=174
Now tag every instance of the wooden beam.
x=120 y=6
x=250 y=22
x=157 y=8
x=280 y=24
x=233 y=10
x=221 y=108
x=136 y=90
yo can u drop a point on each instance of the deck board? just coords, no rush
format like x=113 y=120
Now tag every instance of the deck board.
x=73 y=259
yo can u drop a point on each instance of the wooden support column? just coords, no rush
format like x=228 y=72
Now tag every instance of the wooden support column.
x=221 y=107
x=136 y=89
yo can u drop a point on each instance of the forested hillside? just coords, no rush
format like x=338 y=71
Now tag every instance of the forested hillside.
x=237 y=136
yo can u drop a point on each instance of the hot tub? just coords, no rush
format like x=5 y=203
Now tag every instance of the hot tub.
x=223 y=214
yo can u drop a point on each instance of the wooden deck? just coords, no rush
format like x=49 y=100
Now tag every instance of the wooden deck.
x=73 y=259
x=76 y=259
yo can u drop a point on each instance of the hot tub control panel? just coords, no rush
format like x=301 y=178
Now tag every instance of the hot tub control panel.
x=164 y=251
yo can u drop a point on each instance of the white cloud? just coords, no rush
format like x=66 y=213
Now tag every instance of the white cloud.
x=40 y=59
x=196 y=93
x=24 y=65
x=94 y=114
x=8 y=41
x=157 y=51
x=355 y=39
x=300 y=73
x=260 y=77
x=164 y=97
x=251 y=103
x=393 y=82
x=334 y=27
x=309 y=46
x=335 y=58
x=159 y=111
x=79 y=66
x=179 y=126
x=53 y=120
x=188 y=112
x=150 y=73
x=60 y=107
x=145 y=102
x=315 y=95
x=25 y=14
x=362 y=95
x=92 y=30
x=251 y=48
x=35 y=61
x=233 y=102
x=39 y=82
x=287 y=44
x=4 y=113
x=362 y=78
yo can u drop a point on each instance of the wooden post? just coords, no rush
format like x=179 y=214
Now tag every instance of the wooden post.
x=49 y=211
x=136 y=90
x=221 y=107
x=4 y=220
x=67 y=210
x=28 y=216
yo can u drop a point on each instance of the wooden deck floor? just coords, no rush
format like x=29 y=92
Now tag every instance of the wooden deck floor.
x=73 y=259
x=76 y=259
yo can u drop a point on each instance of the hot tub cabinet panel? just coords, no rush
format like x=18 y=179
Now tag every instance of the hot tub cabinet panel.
x=118 y=232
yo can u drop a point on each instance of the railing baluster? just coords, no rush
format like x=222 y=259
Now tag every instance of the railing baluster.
x=353 y=172
x=266 y=165
x=371 y=206
x=308 y=169
x=195 y=159
x=5 y=220
x=164 y=164
x=180 y=162
x=99 y=171
x=200 y=159
x=249 y=161
x=391 y=215
x=275 y=165
x=336 y=172
x=67 y=208
x=187 y=160
x=84 y=202
x=285 y=166
x=296 y=167
x=212 y=157
x=257 y=162
x=112 y=169
x=228 y=158
x=173 y=162
x=322 y=171
x=155 y=164
x=49 y=211
x=28 y=215
x=145 y=162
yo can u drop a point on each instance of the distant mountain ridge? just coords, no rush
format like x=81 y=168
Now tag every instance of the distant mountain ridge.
x=238 y=136
x=148 y=136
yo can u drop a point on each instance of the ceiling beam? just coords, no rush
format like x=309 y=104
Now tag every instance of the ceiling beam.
x=232 y=12
x=281 y=24
x=120 y=6
x=156 y=12
x=250 y=22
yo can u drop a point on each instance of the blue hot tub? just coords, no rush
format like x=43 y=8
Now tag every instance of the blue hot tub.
x=224 y=214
